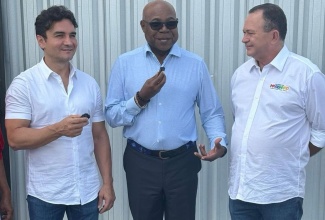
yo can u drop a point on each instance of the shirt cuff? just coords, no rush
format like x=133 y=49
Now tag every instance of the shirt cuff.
x=318 y=138
x=222 y=142
x=131 y=107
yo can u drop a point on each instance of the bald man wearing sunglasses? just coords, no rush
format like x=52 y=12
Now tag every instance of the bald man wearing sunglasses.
x=152 y=92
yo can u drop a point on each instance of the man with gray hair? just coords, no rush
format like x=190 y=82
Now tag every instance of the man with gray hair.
x=279 y=121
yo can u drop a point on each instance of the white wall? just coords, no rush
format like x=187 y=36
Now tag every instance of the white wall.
x=210 y=28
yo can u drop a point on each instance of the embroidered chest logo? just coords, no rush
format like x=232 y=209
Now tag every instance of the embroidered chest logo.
x=279 y=87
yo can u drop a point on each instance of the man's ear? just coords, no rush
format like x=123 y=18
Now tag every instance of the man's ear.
x=276 y=35
x=143 y=25
x=41 y=41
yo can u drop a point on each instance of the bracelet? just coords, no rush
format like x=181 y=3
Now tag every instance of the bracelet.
x=141 y=99
x=137 y=103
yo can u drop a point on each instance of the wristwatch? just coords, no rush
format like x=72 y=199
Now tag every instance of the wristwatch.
x=224 y=152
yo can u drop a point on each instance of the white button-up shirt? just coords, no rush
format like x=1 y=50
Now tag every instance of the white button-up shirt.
x=65 y=170
x=277 y=112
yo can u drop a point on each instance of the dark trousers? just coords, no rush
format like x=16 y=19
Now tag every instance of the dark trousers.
x=162 y=187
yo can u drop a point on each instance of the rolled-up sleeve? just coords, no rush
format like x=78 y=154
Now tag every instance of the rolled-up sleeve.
x=315 y=108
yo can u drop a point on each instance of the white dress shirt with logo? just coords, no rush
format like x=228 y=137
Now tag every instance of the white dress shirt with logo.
x=277 y=112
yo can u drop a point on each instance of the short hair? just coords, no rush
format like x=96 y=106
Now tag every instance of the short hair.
x=48 y=17
x=274 y=18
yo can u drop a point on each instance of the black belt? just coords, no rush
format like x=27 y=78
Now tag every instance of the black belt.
x=162 y=154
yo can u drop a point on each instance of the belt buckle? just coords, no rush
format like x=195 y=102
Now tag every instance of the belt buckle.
x=164 y=158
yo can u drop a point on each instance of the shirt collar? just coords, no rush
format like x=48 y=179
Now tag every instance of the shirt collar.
x=175 y=50
x=47 y=71
x=278 y=61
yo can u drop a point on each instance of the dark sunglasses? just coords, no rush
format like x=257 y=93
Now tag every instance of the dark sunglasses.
x=157 y=25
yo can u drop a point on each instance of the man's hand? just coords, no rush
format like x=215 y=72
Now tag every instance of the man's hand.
x=5 y=207
x=106 y=198
x=21 y=136
x=70 y=126
x=152 y=86
x=217 y=151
